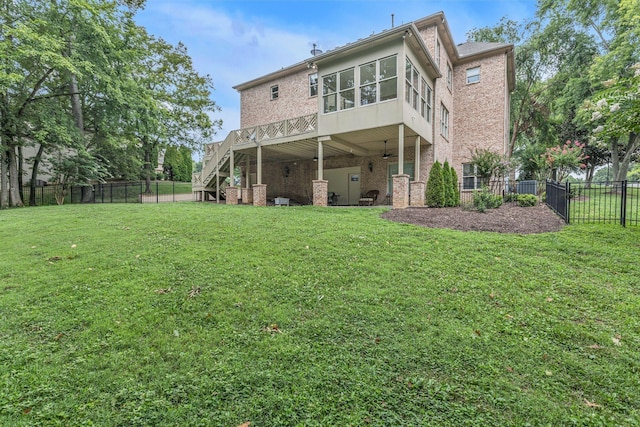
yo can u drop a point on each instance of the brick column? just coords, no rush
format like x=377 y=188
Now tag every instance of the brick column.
x=400 y=191
x=417 y=193
x=260 y=195
x=232 y=195
x=320 y=192
x=247 y=195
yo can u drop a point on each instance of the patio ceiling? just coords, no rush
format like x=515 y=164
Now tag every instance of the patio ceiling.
x=363 y=143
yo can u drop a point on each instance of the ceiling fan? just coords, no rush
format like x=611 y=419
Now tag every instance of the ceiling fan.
x=386 y=155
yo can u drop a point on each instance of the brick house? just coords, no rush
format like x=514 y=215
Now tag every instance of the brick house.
x=374 y=114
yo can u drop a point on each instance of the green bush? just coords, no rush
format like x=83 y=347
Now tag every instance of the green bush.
x=511 y=197
x=448 y=187
x=484 y=199
x=456 y=187
x=435 y=187
x=526 y=200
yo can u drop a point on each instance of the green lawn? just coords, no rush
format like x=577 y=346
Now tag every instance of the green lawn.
x=200 y=314
x=603 y=204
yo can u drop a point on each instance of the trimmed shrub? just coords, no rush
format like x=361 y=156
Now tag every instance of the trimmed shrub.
x=448 y=188
x=435 y=187
x=455 y=187
x=527 y=200
x=484 y=199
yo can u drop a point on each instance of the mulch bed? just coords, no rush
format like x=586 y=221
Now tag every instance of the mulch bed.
x=508 y=218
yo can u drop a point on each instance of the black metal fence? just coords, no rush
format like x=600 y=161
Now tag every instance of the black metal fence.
x=504 y=188
x=111 y=192
x=614 y=202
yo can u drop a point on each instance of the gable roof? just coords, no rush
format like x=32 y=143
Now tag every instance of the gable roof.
x=400 y=31
x=469 y=51
x=459 y=54
x=476 y=48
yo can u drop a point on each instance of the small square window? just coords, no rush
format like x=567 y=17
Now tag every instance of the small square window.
x=473 y=75
x=274 y=92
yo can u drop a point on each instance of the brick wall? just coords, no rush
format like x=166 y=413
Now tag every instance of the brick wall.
x=480 y=109
x=257 y=108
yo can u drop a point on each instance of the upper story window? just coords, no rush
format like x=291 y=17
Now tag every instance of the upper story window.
x=347 y=93
x=437 y=52
x=338 y=90
x=274 y=92
x=313 y=84
x=379 y=80
x=425 y=100
x=473 y=75
x=411 y=84
x=444 y=121
x=417 y=91
x=449 y=76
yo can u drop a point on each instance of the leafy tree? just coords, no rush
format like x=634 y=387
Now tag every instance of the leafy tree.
x=616 y=110
x=489 y=165
x=178 y=164
x=435 y=193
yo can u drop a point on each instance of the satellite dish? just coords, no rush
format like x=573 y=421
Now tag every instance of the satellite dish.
x=315 y=51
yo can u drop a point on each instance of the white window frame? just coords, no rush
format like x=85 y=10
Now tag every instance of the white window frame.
x=313 y=85
x=469 y=174
x=376 y=83
x=389 y=78
x=411 y=84
x=473 y=75
x=426 y=93
x=343 y=90
x=444 y=121
x=274 y=92
x=337 y=95
x=328 y=95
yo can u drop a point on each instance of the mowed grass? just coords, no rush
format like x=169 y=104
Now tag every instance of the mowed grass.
x=603 y=204
x=197 y=314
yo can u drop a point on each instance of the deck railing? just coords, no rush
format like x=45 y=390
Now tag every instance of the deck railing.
x=254 y=134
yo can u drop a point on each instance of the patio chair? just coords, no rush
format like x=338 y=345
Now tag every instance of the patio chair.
x=369 y=198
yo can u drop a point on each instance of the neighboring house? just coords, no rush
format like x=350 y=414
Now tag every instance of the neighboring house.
x=374 y=114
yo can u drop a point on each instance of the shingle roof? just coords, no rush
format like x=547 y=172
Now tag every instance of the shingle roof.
x=474 y=48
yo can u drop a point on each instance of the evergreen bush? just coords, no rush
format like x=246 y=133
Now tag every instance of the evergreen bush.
x=435 y=187
x=456 y=187
x=448 y=188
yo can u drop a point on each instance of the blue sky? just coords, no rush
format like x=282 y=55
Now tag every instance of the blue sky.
x=238 y=40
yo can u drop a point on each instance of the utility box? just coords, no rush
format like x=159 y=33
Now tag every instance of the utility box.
x=528 y=187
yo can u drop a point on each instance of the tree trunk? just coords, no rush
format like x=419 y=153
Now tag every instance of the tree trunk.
x=14 y=191
x=615 y=159
x=4 y=193
x=34 y=175
x=20 y=159
x=147 y=166
x=623 y=166
x=76 y=104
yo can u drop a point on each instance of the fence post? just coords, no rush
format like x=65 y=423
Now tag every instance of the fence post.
x=157 y=201
x=141 y=193
x=173 y=190
x=567 y=204
x=623 y=204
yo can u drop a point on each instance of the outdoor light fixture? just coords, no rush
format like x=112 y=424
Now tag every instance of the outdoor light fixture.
x=370 y=166
x=315 y=158
x=286 y=171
